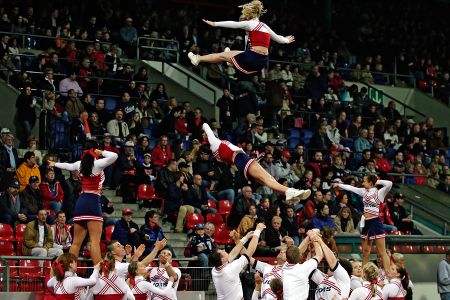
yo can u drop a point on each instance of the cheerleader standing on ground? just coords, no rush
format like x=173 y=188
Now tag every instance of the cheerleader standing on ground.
x=371 y=225
x=371 y=289
x=65 y=283
x=226 y=152
x=109 y=285
x=398 y=284
x=258 y=35
x=88 y=212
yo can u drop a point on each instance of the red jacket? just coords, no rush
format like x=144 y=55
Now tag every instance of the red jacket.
x=385 y=215
x=46 y=195
x=181 y=126
x=160 y=156
x=383 y=165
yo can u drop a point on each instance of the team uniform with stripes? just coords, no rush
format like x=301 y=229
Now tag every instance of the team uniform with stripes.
x=88 y=206
x=110 y=287
x=394 y=290
x=333 y=287
x=269 y=272
x=365 y=293
x=160 y=279
x=143 y=289
x=296 y=279
x=70 y=287
x=372 y=227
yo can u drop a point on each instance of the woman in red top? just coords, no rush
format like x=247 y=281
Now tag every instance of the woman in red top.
x=258 y=36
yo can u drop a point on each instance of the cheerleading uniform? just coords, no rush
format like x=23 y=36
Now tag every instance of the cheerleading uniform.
x=87 y=207
x=160 y=279
x=269 y=272
x=394 y=290
x=143 y=289
x=111 y=287
x=365 y=293
x=258 y=34
x=371 y=225
x=333 y=287
x=69 y=287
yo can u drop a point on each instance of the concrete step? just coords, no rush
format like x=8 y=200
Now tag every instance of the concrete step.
x=177 y=244
x=176 y=236
x=179 y=251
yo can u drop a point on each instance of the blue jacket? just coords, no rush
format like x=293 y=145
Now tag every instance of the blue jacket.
x=122 y=233
x=321 y=222
x=154 y=234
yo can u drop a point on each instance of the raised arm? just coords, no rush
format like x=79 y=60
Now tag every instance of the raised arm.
x=159 y=245
x=65 y=166
x=303 y=245
x=329 y=255
x=246 y=25
x=350 y=188
x=108 y=159
x=279 y=38
x=80 y=282
x=254 y=242
x=239 y=245
x=387 y=185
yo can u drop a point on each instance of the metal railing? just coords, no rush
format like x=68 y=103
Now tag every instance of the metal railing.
x=164 y=53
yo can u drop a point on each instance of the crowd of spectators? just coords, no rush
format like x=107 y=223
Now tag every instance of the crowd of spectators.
x=333 y=132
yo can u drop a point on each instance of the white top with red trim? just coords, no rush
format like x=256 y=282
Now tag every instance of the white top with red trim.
x=394 y=290
x=371 y=197
x=160 y=279
x=355 y=282
x=296 y=279
x=226 y=279
x=111 y=285
x=72 y=284
x=93 y=183
x=334 y=287
x=365 y=293
x=269 y=272
x=252 y=25
x=144 y=287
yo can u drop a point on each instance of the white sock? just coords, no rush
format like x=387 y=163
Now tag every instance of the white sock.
x=214 y=142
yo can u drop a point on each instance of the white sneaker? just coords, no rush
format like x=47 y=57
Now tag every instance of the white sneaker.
x=227 y=49
x=292 y=193
x=194 y=58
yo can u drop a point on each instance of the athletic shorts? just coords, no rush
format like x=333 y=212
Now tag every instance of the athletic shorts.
x=249 y=61
x=88 y=208
x=373 y=229
x=242 y=162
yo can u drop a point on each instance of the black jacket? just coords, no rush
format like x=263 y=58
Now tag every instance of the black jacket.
x=290 y=227
x=196 y=198
x=165 y=178
x=4 y=159
x=7 y=205
x=31 y=201
x=174 y=199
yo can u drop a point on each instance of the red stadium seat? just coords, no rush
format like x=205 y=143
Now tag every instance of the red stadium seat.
x=185 y=282
x=47 y=267
x=6 y=233
x=193 y=219
x=440 y=249
x=224 y=207
x=216 y=219
x=212 y=204
x=428 y=249
x=146 y=192
x=176 y=264
x=20 y=229
x=30 y=268
x=108 y=233
x=222 y=235
x=7 y=249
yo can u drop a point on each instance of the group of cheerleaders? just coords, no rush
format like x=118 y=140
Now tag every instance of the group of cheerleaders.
x=104 y=282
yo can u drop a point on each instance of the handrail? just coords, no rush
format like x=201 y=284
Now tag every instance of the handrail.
x=190 y=77
x=147 y=38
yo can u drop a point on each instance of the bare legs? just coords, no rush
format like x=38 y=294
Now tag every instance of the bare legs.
x=213 y=58
x=366 y=248
x=259 y=174
x=381 y=250
x=95 y=233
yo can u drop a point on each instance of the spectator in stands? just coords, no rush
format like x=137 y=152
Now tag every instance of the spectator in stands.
x=38 y=239
x=125 y=230
x=125 y=173
x=62 y=239
x=317 y=165
x=283 y=168
x=47 y=83
x=51 y=191
x=311 y=207
x=73 y=191
x=195 y=124
x=32 y=145
x=201 y=245
x=128 y=35
x=248 y=221
x=274 y=235
x=31 y=199
x=206 y=167
x=74 y=106
x=361 y=143
x=85 y=76
x=26 y=114
x=241 y=206
x=322 y=218
x=9 y=159
x=197 y=197
x=226 y=111
x=316 y=84
x=391 y=113
x=12 y=210
x=230 y=182
x=166 y=177
x=27 y=169
x=382 y=163
x=127 y=106
x=169 y=121
x=97 y=129
x=290 y=225
x=145 y=171
x=162 y=154
x=442 y=277
x=118 y=128
x=151 y=231
x=344 y=221
x=70 y=83
x=79 y=133
x=159 y=94
x=445 y=185
x=402 y=220
x=99 y=109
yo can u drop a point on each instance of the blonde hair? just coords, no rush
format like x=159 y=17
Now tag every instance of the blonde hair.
x=252 y=10
x=370 y=271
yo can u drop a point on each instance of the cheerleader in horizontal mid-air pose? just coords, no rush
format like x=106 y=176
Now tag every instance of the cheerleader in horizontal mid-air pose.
x=371 y=225
x=88 y=212
x=65 y=283
x=226 y=152
x=258 y=35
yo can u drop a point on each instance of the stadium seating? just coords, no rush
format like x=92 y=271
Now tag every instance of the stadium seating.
x=193 y=219
x=212 y=204
x=7 y=249
x=216 y=219
x=222 y=235
x=108 y=233
x=146 y=192
x=224 y=207
x=6 y=233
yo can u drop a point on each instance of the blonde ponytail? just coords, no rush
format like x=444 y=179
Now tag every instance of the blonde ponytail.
x=252 y=10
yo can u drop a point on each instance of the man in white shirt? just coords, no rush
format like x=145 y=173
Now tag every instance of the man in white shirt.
x=295 y=275
x=225 y=273
x=159 y=276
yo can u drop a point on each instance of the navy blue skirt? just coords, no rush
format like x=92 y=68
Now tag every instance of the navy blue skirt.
x=88 y=208
x=373 y=229
x=249 y=61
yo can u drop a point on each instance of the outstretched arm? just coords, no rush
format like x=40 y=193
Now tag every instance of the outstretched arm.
x=65 y=166
x=254 y=242
x=237 y=249
x=159 y=245
x=350 y=188
x=108 y=158
x=279 y=38
x=387 y=185
x=329 y=255
x=304 y=245
x=246 y=25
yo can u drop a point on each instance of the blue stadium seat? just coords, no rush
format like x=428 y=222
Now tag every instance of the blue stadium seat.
x=294 y=133
x=306 y=136
x=293 y=141
x=110 y=104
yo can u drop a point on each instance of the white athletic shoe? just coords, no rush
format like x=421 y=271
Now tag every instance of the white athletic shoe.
x=194 y=58
x=227 y=49
x=292 y=193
